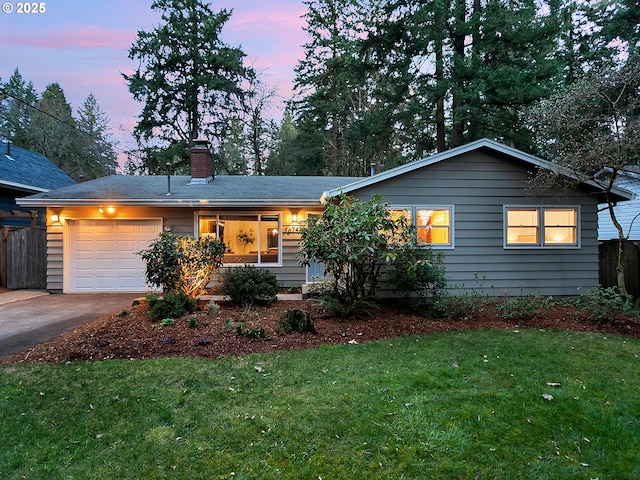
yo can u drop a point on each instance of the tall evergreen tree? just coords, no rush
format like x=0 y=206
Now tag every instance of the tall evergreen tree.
x=188 y=79
x=328 y=80
x=53 y=132
x=97 y=147
x=16 y=99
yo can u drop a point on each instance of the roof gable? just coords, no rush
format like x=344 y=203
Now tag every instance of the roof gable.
x=22 y=169
x=484 y=144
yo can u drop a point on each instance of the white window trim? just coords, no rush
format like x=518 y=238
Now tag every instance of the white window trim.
x=217 y=213
x=541 y=245
x=414 y=220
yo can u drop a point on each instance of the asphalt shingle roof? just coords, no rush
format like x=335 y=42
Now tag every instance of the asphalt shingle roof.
x=30 y=171
x=222 y=190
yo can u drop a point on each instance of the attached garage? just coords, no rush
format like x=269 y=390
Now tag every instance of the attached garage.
x=100 y=255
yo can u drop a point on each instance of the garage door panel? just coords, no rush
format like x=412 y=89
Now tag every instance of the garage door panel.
x=129 y=245
x=102 y=254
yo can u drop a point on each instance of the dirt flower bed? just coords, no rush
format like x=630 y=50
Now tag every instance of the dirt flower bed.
x=132 y=334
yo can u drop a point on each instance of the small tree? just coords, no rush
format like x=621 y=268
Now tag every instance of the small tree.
x=355 y=240
x=593 y=125
x=178 y=263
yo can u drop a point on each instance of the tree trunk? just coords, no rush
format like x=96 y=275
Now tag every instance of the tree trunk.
x=440 y=125
x=621 y=238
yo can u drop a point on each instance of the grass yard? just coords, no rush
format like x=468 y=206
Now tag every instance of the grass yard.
x=525 y=404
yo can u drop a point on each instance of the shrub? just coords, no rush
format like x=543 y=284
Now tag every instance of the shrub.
x=459 y=306
x=212 y=308
x=181 y=263
x=354 y=240
x=357 y=308
x=247 y=286
x=524 y=307
x=258 y=332
x=169 y=305
x=417 y=270
x=605 y=305
x=321 y=287
x=296 y=320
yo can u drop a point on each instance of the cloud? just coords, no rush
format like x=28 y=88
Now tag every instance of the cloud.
x=268 y=20
x=70 y=37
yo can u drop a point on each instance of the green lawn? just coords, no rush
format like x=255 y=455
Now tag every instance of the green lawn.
x=449 y=406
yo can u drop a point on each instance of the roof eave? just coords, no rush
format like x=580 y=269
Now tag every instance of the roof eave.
x=23 y=187
x=169 y=202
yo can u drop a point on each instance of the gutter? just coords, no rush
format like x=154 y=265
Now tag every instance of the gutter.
x=22 y=186
x=183 y=203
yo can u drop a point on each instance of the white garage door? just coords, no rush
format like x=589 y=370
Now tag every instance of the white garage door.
x=101 y=254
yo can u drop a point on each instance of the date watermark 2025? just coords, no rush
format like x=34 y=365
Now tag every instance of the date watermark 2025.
x=24 y=7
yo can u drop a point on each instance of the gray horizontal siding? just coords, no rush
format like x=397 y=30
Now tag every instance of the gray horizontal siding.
x=182 y=222
x=54 y=259
x=479 y=186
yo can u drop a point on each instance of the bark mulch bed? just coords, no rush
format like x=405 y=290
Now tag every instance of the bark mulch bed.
x=132 y=334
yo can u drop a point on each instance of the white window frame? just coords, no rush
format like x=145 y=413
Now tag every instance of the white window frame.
x=541 y=225
x=413 y=209
x=260 y=263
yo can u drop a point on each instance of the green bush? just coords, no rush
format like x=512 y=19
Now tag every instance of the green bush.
x=169 y=305
x=258 y=332
x=355 y=240
x=182 y=263
x=525 y=307
x=212 y=308
x=417 y=270
x=606 y=305
x=296 y=320
x=345 y=309
x=247 y=286
x=459 y=306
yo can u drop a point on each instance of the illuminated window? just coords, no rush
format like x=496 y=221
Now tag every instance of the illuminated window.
x=395 y=215
x=250 y=239
x=433 y=224
x=541 y=227
x=560 y=226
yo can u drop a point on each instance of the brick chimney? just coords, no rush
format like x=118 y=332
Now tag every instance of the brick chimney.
x=201 y=163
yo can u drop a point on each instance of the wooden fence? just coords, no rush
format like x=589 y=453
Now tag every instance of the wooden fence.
x=609 y=261
x=24 y=258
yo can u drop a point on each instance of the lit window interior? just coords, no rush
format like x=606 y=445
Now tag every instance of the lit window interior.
x=248 y=238
x=434 y=226
x=560 y=226
x=522 y=226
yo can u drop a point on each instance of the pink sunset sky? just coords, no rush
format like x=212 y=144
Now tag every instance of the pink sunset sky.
x=83 y=45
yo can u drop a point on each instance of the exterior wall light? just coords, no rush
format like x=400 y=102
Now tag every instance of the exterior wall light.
x=109 y=211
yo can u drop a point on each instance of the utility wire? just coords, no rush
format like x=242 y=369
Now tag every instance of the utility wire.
x=6 y=93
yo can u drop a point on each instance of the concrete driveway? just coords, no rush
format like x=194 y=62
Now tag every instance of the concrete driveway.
x=29 y=317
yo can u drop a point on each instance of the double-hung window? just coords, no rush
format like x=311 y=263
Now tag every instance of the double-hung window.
x=250 y=239
x=541 y=227
x=434 y=225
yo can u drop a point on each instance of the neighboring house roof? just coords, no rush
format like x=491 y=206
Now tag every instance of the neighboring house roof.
x=224 y=190
x=28 y=171
x=627 y=213
x=627 y=178
x=483 y=144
